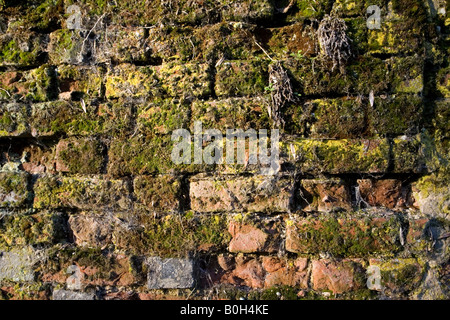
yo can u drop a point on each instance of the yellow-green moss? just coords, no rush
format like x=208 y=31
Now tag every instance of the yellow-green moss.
x=338 y=156
x=162 y=116
x=14 y=120
x=83 y=156
x=400 y=275
x=84 y=193
x=241 y=78
x=39 y=229
x=57 y=117
x=14 y=189
x=346 y=237
x=175 y=235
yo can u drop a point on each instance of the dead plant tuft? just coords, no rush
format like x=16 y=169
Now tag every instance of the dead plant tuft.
x=280 y=90
x=334 y=41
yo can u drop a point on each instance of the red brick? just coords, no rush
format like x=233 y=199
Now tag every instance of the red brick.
x=91 y=230
x=238 y=194
x=325 y=195
x=160 y=193
x=337 y=276
x=250 y=238
x=386 y=193
x=266 y=272
x=287 y=273
x=250 y=272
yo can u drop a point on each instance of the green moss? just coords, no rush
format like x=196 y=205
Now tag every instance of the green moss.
x=60 y=258
x=66 y=46
x=346 y=237
x=129 y=80
x=358 y=32
x=337 y=118
x=396 y=115
x=140 y=13
x=178 y=12
x=25 y=291
x=362 y=294
x=82 y=82
x=229 y=292
x=81 y=156
x=351 y=118
x=247 y=10
x=407 y=156
x=431 y=193
x=137 y=156
x=147 y=155
x=408 y=75
x=45 y=17
x=241 y=78
x=338 y=156
x=179 y=43
x=13 y=54
x=284 y=293
x=362 y=75
x=315 y=76
x=305 y=9
x=58 y=117
x=162 y=193
x=443 y=82
x=116 y=118
x=418 y=154
x=242 y=113
x=175 y=235
x=83 y=193
x=400 y=275
x=277 y=293
x=187 y=80
x=403 y=24
x=35 y=85
x=162 y=116
x=350 y=8
x=38 y=229
x=442 y=131
x=394 y=38
x=232 y=41
x=14 y=189
x=14 y=120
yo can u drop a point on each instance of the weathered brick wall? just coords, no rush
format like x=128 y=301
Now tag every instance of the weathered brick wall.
x=86 y=117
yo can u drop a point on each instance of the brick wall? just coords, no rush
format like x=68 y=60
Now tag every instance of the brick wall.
x=92 y=206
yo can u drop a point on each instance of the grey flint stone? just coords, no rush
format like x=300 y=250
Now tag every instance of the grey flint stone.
x=72 y=295
x=17 y=265
x=170 y=273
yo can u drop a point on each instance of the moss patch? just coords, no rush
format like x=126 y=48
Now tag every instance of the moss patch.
x=83 y=193
x=241 y=78
x=344 y=237
x=83 y=156
x=14 y=120
x=162 y=193
x=175 y=235
x=14 y=189
x=232 y=113
x=45 y=228
x=338 y=156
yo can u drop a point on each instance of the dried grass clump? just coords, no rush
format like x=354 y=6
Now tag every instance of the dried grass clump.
x=334 y=41
x=281 y=91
